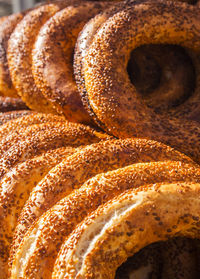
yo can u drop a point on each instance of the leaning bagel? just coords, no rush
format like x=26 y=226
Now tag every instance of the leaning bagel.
x=6 y=29
x=20 y=48
x=52 y=58
x=111 y=96
x=125 y=225
x=73 y=172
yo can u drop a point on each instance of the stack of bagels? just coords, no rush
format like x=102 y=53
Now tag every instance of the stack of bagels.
x=100 y=140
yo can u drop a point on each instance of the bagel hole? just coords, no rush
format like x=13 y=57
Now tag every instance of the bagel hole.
x=163 y=75
x=176 y=258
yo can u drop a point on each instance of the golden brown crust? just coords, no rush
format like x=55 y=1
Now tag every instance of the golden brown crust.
x=72 y=173
x=20 y=55
x=124 y=114
x=6 y=29
x=14 y=191
x=52 y=58
x=11 y=132
x=7 y=116
x=126 y=224
x=9 y=104
x=64 y=216
x=39 y=138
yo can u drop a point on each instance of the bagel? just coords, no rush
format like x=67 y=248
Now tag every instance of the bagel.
x=28 y=120
x=127 y=115
x=63 y=217
x=6 y=29
x=52 y=58
x=126 y=224
x=73 y=172
x=19 y=55
x=14 y=191
x=39 y=138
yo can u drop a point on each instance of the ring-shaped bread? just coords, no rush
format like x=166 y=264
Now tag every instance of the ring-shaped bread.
x=166 y=70
x=14 y=191
x=94 y=192
x=73 y=172
x=110 y=94
x=53 y=55
x=39 y=138
x=126 y=224
x=20 y=47
x=6 y=29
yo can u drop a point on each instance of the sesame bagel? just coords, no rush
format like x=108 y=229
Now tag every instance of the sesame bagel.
x=72 y=173
x=6 y=29
x=126 y=114
x=14 y=191
x=39 y=138
x=64 y=215
x=53 y=54
x=20 y=55
x=123 y=226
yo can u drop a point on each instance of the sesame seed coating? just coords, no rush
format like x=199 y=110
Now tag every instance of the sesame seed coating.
x=11 y=115
x=113 y=98
x=6 y=29
x=126 y=224
x=70 y=175
x=53 y=55
x=15 y=189
x=20 y=48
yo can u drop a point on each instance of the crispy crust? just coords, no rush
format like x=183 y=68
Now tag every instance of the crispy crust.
x=14 y=191
x=63 y=217
x=72 y=173
x=125 y=225
x=52 y=58
x=27 y=120
x=10 y=133
x=11 y=115
x=6 y=29
x=39 y=138
x=114 y=99
x=20 y=55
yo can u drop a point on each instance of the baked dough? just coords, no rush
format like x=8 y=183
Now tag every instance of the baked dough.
x=71 y=174
x=53 y=55
x=126 y=224
x=20 y=48
x=110 y=94
x=6 y=29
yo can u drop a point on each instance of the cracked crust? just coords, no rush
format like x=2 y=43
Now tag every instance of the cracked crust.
x=72 y=173
x=53 y=55
x=112 y=97
x=126 y=224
